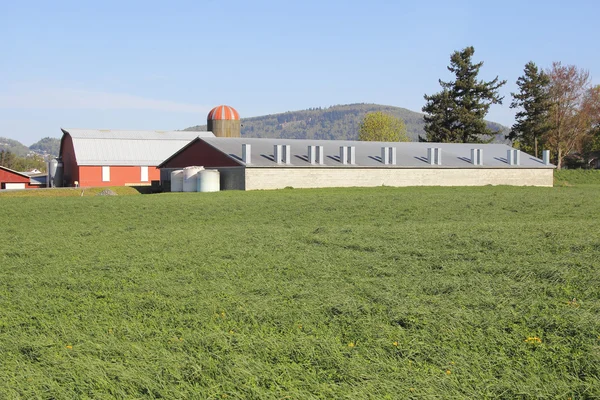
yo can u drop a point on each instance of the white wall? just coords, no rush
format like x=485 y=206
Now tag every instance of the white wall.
x=278 y=178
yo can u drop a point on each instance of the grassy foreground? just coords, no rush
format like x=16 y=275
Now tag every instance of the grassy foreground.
x=68 y=192
x=425 y=293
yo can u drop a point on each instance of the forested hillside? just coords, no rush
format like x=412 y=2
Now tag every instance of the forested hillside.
x=13 y=146
x=17 y=156
x=47 y=145
x=336 y=122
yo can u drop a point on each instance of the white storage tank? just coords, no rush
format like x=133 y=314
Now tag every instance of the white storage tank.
x=209 y=180
x=177 y=181
x=190 y=178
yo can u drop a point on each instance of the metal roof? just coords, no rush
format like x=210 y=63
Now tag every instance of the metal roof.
x=23 y=174
x=121 y=147
x=368 y=154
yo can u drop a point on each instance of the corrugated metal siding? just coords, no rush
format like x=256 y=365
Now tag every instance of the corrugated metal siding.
x=368 y=154
x=135 y=135
x=135 y=148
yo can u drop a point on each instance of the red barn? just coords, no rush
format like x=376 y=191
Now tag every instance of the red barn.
x=94 y=157
x=10 y=179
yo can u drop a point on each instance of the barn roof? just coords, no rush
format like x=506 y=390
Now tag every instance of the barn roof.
x=368 y=154
x=12 y=171
x=123 y=147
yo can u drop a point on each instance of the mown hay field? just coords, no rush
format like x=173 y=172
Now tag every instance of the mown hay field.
x=489 y=292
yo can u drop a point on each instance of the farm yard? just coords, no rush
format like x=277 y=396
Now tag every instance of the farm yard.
x=485 y=292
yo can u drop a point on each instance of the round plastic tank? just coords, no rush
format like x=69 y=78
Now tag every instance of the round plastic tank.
x=177 y=181
x=209 y=180
x=190 y=178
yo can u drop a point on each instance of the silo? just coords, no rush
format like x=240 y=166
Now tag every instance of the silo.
x=224 y=121
x=177 y=181
x=55 y=173
x=209 y=180
x=190 y=178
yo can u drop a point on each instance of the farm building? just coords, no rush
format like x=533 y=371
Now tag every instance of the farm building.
x=10 y=179
x=250 y=164
x=92 y=157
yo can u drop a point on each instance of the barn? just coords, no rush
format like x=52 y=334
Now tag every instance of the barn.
x=10 y=179
x=92 y=157
x=250 y=163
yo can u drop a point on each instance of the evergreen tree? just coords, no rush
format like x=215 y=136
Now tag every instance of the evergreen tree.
x=457 y=113
x=440 y=120
x=534 y=101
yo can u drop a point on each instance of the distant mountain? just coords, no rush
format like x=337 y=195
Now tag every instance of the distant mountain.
x=47 y=146
x=336 y=122
x=14 y=146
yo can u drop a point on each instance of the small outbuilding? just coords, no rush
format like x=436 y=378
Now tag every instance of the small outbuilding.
x=10 y=179
x=93 y=157
x=250 y=163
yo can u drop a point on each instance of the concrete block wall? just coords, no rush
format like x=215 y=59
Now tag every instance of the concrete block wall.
x=279 y=178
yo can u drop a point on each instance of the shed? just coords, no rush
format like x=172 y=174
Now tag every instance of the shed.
x=10 y=179
x=251 y=163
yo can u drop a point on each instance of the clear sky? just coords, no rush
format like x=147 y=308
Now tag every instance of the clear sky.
x=165 y=64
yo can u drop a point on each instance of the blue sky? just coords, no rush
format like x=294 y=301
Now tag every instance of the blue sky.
x=164 y=65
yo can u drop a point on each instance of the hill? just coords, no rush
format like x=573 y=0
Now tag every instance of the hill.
x=47 y=146
x=14 y=146
x=335 y=122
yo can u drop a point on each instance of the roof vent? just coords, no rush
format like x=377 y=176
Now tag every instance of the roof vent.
x=388 y=155
x=477 y=156
x=434 y=156
x=282 y=154
x=513 y=157
x=315 y=155
x=348 y=155
x=246 y=153
x=546 y=157
x=277 y=153
x=287 y=154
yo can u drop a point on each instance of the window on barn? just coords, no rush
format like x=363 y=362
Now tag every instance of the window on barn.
x=144 y=171
x=105 y=174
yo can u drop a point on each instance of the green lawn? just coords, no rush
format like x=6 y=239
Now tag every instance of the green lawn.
x=425 y=293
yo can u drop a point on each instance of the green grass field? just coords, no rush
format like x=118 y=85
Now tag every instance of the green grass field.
x=384 y=293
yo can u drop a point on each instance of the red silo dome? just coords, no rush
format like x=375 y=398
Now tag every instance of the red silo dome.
x=223 y=112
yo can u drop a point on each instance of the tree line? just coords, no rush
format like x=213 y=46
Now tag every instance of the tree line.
x=558 y=109
x=17 y=163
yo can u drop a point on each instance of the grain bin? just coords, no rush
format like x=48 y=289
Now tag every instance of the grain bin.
x=55 y=173
x=224 y=121
x=190 y=178
x=177 y=181
x=209 y=180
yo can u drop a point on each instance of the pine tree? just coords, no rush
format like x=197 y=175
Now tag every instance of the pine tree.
x=440 y=120
x=534 y=101
x=457 y=113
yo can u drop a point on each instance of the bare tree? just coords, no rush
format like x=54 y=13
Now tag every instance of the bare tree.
x=568 y=86
x=589 y=147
